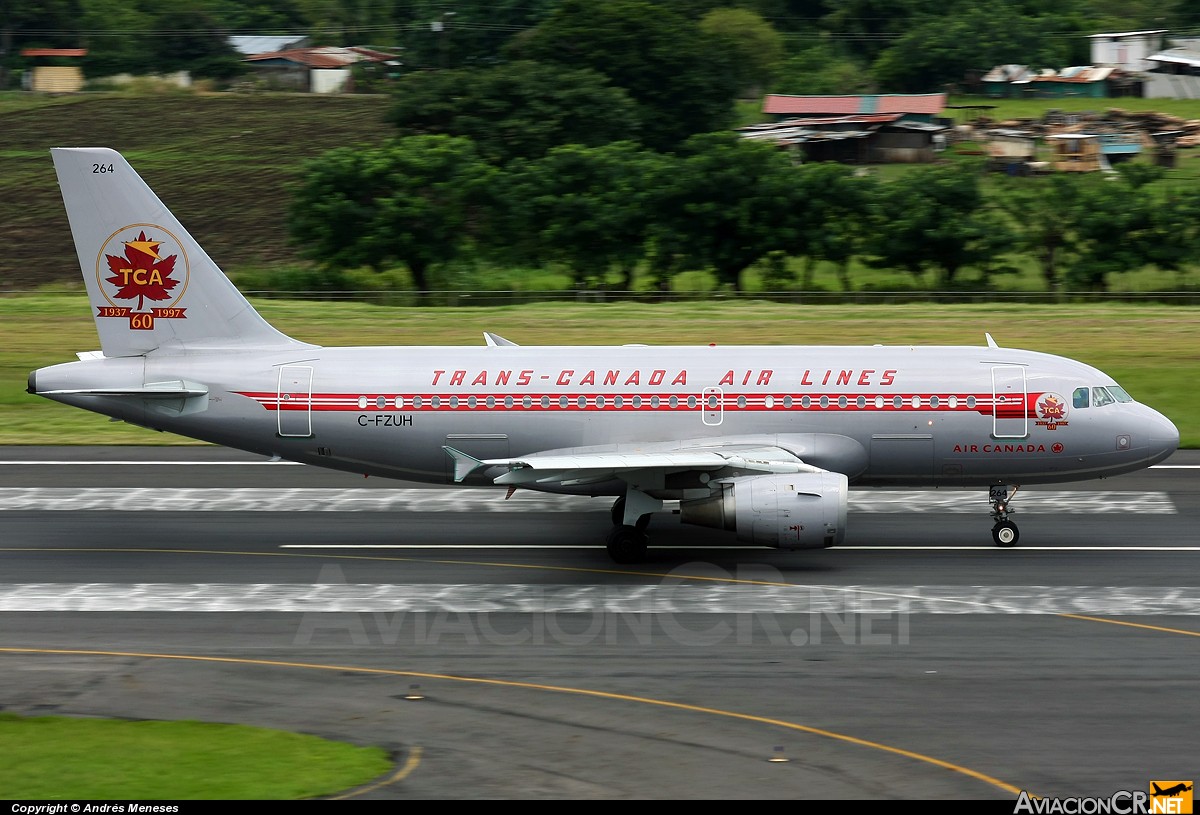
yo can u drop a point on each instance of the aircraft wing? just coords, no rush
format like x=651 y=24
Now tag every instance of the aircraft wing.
x=577 y=468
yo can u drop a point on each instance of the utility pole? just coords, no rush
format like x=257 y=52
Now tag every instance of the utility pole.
x=442 y=28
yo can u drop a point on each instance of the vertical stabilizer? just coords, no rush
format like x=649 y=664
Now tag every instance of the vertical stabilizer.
x=150 y=285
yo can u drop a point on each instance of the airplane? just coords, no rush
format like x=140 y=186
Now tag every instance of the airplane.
x=1170 y=791
x=762 y=441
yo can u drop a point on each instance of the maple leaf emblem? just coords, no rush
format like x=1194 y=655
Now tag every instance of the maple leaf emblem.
x=141 y=273
x=1053 y=408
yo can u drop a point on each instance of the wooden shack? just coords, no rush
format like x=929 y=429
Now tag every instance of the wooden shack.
x=1077 y=152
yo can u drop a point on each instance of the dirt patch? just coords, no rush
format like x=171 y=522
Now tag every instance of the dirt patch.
x=221 y=163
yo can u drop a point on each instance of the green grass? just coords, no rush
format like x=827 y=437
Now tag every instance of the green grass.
x=1151 y=350
x=58 y=758
x=1036 y=108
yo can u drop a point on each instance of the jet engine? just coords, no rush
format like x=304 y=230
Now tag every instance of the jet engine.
x=791 y=511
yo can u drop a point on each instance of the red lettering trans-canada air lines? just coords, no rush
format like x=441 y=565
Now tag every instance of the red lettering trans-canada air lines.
x=569 y=376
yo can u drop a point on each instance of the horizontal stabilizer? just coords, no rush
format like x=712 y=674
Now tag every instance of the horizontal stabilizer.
x=177 y=389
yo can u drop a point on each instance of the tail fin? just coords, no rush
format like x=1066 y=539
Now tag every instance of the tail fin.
x=150 y=283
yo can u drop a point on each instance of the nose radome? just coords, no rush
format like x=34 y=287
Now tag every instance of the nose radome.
x=1164 y=437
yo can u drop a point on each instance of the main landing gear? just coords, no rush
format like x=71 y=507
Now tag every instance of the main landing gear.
x=1005 y=532
x=628 y=541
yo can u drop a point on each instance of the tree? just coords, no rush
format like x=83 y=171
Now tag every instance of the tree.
x=755 y=47
x=1125 y=225
x=931 y=219
x=940 y=49
x=822 y=67
x=836 y=207
x=465 y=33
x=681 y=82
x=409 y=201
x=522 y=109
x=588 y=207
x=725 y=204
x=191 y=39
x=1041 y=213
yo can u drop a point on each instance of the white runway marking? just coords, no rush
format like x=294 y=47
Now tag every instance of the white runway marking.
x=158 y=499
x=673 y=598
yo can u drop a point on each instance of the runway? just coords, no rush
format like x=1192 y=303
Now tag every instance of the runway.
x=915 y=662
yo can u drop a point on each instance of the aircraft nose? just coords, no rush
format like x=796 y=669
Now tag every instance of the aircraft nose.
x=1164 y=437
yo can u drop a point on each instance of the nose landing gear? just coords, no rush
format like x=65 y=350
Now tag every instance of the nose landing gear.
x=1005 y=532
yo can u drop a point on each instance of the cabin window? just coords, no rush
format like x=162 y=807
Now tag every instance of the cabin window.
x=1101 y=397
x=1080 y=398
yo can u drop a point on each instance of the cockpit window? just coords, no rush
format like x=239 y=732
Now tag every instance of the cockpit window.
x=1080 y=398
x=1119 y=393
x=1101 y=397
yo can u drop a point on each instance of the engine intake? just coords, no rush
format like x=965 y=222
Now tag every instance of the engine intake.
x=792 y=511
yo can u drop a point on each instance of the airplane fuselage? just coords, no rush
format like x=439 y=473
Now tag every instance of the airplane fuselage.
x=882 y=415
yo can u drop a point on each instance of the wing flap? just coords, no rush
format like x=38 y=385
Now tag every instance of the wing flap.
x=580 y=468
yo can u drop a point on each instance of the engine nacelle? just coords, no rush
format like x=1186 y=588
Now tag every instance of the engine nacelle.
x=791 y=511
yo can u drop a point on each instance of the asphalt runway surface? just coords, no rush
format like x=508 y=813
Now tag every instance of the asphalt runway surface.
x=915 y=662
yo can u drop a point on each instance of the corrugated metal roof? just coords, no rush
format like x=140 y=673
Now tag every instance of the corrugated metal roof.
x=1006 y=73
x=54 y=52
x=782 y=104
x=259 y=44
x=1130 y=33
x=1177 y=56
x=871 y=118
x=322 y=57
x=1078 y=74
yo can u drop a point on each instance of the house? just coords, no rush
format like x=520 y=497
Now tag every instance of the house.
x=315 y=70
x=1077 y=152
x=1128 y=50
x=1095 y=82
x=51 y=76
x=877 y=128
x=1176 y=71
x=998 y=82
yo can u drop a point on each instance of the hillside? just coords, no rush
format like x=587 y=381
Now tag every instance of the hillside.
x=220 y=161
